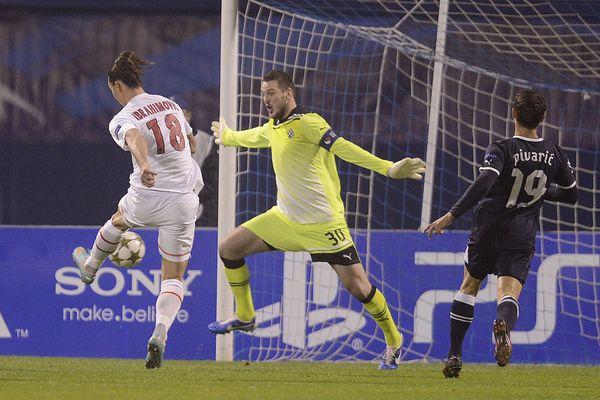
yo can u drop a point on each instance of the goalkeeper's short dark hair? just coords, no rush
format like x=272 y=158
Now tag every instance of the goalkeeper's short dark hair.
x=530 y=108
x=284 y=81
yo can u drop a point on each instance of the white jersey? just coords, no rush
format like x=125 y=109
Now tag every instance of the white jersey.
x=163 y=126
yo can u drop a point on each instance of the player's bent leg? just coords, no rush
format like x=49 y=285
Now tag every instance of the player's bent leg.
x=462 y=312
x=507 y=312
x=174 y=246
x=238 y=277
x=355 y=280
x=168 y=304
x=509 y=290
x=106 y=242
x=377 y=307
x=238 y=244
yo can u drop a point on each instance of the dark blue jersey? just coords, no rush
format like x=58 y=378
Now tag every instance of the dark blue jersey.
x=507 y=216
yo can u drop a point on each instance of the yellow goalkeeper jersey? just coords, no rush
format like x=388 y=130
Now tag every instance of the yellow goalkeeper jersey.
x=303 y=148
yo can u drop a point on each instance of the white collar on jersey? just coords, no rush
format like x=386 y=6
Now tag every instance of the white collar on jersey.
x=528 y=139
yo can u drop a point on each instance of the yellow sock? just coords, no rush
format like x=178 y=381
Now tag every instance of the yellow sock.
x=239 y=281
x=380 y=312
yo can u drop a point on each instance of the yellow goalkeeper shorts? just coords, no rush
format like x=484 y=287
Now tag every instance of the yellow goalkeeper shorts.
x=278 y=231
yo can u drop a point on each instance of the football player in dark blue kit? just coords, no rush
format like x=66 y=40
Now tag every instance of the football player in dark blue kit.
x=517 y=175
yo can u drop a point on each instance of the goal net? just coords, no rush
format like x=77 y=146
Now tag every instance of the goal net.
x=368 y=68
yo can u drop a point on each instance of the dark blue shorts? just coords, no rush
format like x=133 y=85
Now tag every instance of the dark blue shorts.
x=482 y=261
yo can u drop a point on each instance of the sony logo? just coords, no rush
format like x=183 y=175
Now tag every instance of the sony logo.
x=112 y=281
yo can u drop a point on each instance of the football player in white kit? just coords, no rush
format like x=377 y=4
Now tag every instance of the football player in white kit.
x=163 y=191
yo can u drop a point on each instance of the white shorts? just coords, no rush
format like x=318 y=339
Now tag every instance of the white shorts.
x=173 y=213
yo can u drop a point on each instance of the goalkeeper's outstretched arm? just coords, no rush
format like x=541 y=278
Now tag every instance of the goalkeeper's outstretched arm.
x=252 y=138
x=411 y=168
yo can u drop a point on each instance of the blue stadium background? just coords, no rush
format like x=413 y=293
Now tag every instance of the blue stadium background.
x=58 y=163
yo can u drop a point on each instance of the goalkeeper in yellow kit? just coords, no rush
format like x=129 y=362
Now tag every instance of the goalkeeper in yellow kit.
x=309 y=214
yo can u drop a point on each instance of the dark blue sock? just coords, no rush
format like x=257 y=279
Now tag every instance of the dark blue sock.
x=508 y=310
x=461 y=316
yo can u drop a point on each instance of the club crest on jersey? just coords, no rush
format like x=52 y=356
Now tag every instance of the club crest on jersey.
x=290 y=134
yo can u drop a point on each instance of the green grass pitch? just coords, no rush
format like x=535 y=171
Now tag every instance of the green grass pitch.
x=76 y=378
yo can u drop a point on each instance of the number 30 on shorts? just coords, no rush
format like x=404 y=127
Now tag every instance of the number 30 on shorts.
x=336 y=236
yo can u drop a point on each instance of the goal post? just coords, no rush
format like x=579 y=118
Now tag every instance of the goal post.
x=227 y=165
x=434 y=113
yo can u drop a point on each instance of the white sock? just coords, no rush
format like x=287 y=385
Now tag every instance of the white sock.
x=169 y=301
x=106 y=242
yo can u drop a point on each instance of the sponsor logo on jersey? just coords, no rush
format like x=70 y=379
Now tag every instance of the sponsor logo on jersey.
x=489 y=158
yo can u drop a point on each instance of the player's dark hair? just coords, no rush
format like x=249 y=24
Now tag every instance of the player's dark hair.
x=128 y=69
x=284 y=81
x=530 y=108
